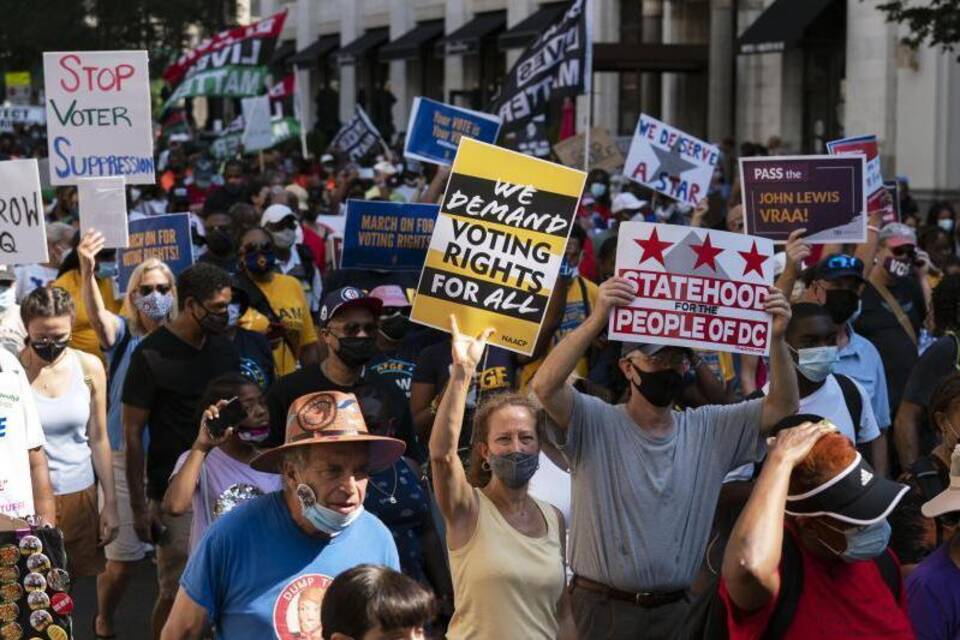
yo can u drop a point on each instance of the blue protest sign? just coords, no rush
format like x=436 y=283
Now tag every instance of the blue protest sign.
x=387 y=235
x=435 y=128
x=166 y=238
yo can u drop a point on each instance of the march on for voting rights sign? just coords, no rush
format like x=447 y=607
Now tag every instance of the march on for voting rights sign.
x=391 y=236
x=435 y=129
x=670 y=161
x=822 y=194
x=497 y=244
x=696 y=288
x=165 y=237
x=98 y=116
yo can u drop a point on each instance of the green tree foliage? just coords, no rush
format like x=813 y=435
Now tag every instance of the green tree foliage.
x=162 y=27
x=935 y=22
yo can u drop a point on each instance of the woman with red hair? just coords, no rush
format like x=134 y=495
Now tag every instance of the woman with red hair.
x=824 y=569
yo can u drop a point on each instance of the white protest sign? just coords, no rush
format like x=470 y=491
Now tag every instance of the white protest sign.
x=103 y=206
x=258 y=128
x=23 y=231
x=98 y=116
x=670 y=161
x=696 y=288
x=24 y=115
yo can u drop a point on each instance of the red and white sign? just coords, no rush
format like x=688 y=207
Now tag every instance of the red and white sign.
x=696 y=288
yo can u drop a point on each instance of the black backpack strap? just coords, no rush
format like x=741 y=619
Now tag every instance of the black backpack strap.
x=791 y=586
x=890 y=572
x=583 y=295
x=259 y=302
x=118 y=350
x=956 y=342
x=927 y=477
x=851 y=398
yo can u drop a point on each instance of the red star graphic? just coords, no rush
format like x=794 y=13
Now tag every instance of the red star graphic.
x=653 y=247
x=754 y=260
x=706 y=253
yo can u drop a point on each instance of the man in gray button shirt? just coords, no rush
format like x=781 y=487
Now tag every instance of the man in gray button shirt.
x=646 y=478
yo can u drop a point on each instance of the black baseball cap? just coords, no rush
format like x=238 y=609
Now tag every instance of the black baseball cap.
x=648 y=349
x=344 y=297
x=839 y=266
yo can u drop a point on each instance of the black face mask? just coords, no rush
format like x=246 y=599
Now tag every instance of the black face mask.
x=356 y=352
x=395 y=327
x=660 y=388
x=841 y=303
x=213 y=323
x=219 y=242
x=49 y=351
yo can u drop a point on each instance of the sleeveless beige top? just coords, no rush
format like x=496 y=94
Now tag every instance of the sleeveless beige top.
x=505 y=584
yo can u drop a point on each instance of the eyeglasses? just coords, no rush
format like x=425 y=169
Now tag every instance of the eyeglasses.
x=352 y=329
x=147 y=289
x=903 y=251
x=667 y=359
x=289 y=222
x=255 y=247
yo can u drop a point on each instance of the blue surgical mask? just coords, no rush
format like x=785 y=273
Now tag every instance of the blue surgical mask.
x=816 y=363
x=864 y=543
x=946 y=224
x=106 y=269
x=598 y=189
x=325 y=520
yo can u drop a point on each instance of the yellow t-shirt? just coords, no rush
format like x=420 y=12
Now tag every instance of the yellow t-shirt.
x=286 y=297
x=83 y=337
x=574 y=315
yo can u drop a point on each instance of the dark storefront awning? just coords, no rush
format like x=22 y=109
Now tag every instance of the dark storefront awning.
x=467 y=38
x=527 y=30
x=282 y=53
x=781 y=25
x=409 y=45
x=372 y=39
x=321 y=47
x=614 y=56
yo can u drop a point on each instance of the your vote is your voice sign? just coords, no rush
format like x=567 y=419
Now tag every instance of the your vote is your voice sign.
x=696 y=288
x=496 y=247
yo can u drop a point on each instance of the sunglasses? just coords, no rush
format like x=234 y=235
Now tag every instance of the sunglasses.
x=253 y=248
x=147 y=289
x=352 y=329
x=903 y=251
x=287 y=223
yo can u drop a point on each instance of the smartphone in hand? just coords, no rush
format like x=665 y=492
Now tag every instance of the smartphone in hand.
x=231 y=415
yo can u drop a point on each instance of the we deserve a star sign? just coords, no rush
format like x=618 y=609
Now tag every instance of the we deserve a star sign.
x=670 y=161
x=696 y=288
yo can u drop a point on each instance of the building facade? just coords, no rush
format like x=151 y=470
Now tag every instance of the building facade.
x=804 y=71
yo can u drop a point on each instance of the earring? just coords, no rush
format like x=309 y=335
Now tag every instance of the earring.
x=485 y=465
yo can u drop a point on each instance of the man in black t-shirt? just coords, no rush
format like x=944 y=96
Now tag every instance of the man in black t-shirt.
x=167 y=374
x=349 y=331
x=894 y=272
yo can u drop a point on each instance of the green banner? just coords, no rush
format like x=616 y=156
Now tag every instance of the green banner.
x=229 y=81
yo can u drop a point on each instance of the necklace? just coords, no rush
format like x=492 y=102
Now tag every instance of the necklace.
x=390 y=497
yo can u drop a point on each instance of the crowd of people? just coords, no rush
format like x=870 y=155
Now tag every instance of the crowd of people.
x=301 y=460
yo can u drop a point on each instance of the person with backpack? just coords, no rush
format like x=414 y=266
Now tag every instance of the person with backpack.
x=914 y=535
x=812 y=340
x=916 y=436
x=293 y=258
x=808 y=556
x=151 y=300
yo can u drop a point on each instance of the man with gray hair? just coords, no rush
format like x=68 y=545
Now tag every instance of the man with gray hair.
x=32 y=276
x=260 y=571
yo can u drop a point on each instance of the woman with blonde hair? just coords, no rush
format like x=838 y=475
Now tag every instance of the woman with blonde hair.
x=506 y=548
x=150 y=301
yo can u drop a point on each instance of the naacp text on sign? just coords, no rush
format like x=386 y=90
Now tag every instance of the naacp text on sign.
x=695 y=288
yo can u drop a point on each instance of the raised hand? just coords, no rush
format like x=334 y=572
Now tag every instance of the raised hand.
x=465 y=350
x=778 y=307
x=792 y=445
x=90 y=245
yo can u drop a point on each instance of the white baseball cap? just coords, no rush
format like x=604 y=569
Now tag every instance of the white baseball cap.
x=627 y=201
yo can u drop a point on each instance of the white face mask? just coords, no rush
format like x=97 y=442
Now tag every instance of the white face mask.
x=816 y=363
x=8 y=297
x=284 y=238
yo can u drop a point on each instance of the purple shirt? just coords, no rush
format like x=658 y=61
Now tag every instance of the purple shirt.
x=220 y=472
x=933 y=596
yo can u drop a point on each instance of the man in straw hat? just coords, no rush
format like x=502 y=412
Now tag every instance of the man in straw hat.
x=808 y=555
x=250 y=570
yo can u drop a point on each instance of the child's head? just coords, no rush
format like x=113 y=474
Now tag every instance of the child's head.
x=371 y=602
x=256 y=426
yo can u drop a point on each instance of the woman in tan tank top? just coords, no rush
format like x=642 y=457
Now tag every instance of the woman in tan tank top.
x=506 y=548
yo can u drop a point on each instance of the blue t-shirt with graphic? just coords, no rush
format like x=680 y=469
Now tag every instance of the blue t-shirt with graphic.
x=259 y=575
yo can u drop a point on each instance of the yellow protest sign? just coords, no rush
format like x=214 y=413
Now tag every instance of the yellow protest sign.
x=497 y=245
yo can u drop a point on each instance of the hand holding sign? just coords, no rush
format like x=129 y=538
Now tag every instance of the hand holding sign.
x=797 y=250
x=778 y=307
x=90 y=245
x=614 y=292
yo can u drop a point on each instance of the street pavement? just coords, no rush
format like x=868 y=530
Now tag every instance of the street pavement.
x=133 y=615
